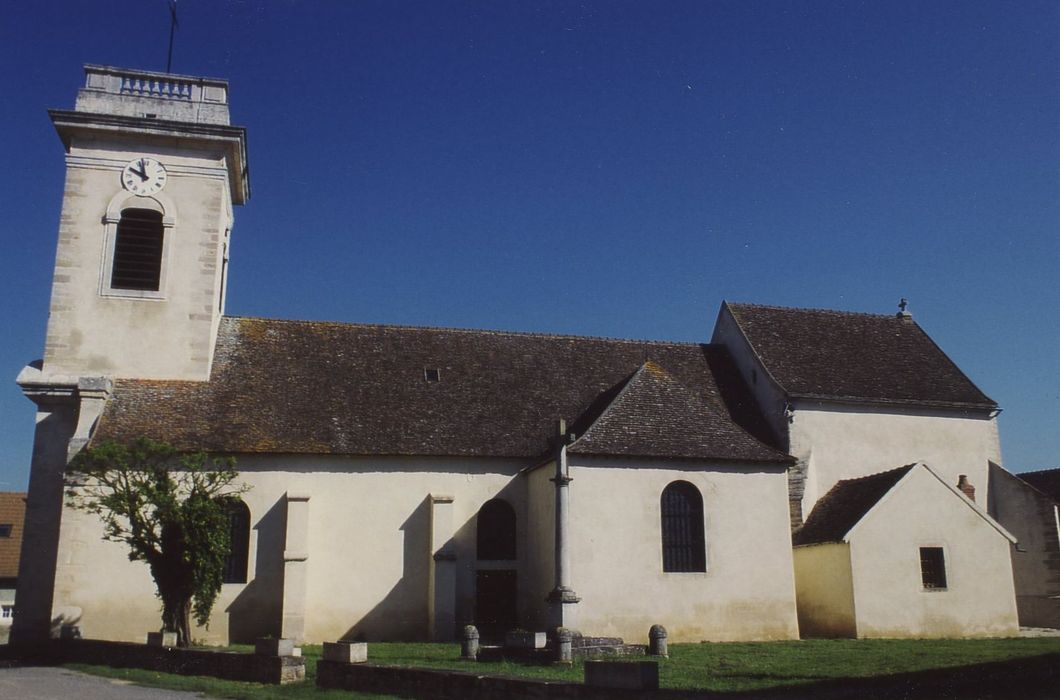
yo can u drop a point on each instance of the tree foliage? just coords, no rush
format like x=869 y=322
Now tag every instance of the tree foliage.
x=171 y=510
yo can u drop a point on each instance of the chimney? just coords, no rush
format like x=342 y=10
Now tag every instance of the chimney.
x=966 y=488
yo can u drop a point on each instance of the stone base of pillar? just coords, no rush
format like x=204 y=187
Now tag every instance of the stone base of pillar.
x=563 y=609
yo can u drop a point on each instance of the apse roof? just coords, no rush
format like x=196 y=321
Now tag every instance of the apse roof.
x=839 y=355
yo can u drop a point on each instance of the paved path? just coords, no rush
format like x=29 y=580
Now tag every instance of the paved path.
x=49 y=683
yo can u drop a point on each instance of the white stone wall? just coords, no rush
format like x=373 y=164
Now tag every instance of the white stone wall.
x=747 y=592
x=889 y=597
x=367 y=542
x=846 y=442
x=91 y=332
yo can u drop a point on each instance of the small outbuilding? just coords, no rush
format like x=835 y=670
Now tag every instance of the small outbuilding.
x=903 y=553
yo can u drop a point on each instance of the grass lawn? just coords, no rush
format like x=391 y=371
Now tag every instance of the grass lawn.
x=717 y=667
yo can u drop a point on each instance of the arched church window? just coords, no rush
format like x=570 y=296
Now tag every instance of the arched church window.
x=239 y=539
x=137 y=262
x=683 y=541
x=496 y=530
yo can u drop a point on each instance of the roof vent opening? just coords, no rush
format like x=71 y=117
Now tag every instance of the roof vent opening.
x=432 y=374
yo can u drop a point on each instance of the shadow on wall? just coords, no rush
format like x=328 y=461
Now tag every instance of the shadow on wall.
x=258 y=609
x=402 y=613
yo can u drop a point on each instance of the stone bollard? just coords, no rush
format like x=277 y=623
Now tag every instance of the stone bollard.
x=657 y=641
x=469 y=643
x=564 y=653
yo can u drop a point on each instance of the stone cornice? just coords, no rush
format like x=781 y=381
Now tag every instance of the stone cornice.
x=233 y=139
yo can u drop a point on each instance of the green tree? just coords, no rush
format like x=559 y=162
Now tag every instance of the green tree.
x=171 y=509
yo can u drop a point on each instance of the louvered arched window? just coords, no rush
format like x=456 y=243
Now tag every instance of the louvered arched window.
x=137 y=263
x=683 y=541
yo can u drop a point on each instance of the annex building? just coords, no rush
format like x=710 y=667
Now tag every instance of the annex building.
x=407 y=481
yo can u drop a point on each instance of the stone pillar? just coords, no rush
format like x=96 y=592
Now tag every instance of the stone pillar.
x=295 y=559
x=441 y=568
x=657 y=637
x=563 y=602
x=57 y=411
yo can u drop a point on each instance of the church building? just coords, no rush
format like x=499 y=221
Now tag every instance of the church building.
x=407 y=481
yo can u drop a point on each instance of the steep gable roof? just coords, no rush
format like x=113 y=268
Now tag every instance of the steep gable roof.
x=845 y=504
x=12 y=512
x=838 y=355
x=654 y=416
x=332 y=388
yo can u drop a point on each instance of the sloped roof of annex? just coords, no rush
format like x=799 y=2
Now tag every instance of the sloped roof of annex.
x=836 y=515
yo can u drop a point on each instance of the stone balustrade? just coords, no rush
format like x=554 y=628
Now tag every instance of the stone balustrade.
x=149 y=94
x=123 y=81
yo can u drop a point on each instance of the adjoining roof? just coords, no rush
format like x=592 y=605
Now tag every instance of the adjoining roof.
x=314 y=387
x=863 y=358
x=654 y=416
x=12 y=512
x=1047 y=481
x=845 y=504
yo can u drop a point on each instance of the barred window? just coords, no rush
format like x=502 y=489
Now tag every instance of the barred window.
x=137 y=260
x=933 y=568
x=239 y=542
x=683 y=541
x=496 y=531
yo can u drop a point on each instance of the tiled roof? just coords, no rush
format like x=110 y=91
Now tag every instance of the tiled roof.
x=314 y=387
x=839 y=355
x=1047 y=481
x=654 y=416
x=12 y=512
x=845 y=504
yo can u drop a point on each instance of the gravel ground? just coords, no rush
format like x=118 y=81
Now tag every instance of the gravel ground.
x=49 y=683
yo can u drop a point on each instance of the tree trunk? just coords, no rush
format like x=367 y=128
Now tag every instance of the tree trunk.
x=176 y=614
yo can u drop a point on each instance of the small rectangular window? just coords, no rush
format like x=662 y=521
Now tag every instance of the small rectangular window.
x=933 y=568
x=431 y=374
x=5 y=529
x=7 y=612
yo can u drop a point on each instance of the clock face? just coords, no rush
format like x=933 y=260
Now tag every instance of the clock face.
x=143 y=176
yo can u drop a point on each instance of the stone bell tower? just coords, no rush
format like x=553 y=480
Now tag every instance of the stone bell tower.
x=153 y=167
x=152 y=171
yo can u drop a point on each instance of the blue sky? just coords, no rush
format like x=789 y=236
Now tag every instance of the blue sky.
x=602 y=168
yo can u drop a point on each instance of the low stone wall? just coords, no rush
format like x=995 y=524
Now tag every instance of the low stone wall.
x=231 y=666
x=457 y=685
